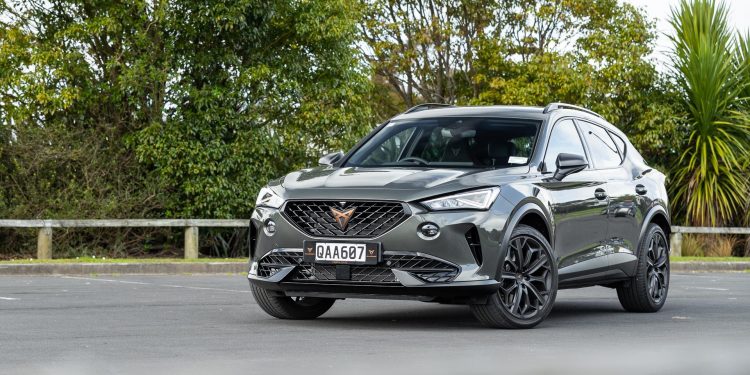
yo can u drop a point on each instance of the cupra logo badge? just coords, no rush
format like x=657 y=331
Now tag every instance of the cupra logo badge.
x=342 y=217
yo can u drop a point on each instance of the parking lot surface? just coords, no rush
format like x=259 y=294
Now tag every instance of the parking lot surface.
x=196 y=324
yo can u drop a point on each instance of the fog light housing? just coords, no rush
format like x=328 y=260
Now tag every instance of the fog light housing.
x=428 y=230
x=270 y=227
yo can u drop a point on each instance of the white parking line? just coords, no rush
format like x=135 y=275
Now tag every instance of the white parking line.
x=107 y=280
x=155 y=284
x=9 y=299
x=704 y=288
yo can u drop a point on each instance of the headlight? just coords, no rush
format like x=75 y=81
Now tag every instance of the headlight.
x=472 y=200
x=267 y=198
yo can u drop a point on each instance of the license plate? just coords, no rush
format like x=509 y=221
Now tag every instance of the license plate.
x=341 y=252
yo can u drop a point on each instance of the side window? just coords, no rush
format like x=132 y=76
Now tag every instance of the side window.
x=620 y=144
x=603 y=150
x=564 y=139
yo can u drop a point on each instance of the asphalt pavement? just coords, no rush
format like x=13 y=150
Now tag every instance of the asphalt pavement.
x=210 y=324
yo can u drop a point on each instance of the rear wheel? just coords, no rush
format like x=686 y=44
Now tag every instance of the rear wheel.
x=528 y=283
x=297 y=308
x=647 y=290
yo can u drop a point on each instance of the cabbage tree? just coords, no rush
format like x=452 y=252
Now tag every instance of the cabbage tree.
x=709 y=184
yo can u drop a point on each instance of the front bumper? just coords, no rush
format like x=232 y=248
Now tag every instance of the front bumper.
x=474 y=277
x=467 y=291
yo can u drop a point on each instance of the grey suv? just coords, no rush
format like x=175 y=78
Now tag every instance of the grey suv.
x=496 y=207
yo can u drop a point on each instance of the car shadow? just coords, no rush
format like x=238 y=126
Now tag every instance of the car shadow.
x=433 y=316
x=415 y=318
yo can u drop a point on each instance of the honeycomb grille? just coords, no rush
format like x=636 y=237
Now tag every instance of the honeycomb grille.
x=370 y=219
x=272 y=262
x=427 y=269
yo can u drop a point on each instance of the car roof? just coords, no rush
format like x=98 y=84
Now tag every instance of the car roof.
x=512 y=111
x=471 y=111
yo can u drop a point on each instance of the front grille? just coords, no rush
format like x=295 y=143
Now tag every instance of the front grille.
x=429 y=270
x=370 y=219
x=327 y=272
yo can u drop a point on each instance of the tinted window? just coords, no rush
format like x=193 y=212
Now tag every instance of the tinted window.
x=564 y=139
x=620 y=144
x=603 y=150
x=449 y=142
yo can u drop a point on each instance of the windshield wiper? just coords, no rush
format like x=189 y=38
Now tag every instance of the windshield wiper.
x=414 y=159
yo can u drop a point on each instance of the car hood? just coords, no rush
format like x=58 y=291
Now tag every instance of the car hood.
x=403 y=184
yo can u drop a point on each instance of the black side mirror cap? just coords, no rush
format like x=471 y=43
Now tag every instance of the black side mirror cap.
x=331 y=159
x=568 y=164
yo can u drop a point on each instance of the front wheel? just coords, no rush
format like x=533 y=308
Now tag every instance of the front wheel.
x=298 y=308
x=528 y=283
x=647 y=290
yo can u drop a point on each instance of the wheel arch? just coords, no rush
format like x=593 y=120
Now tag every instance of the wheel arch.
x=532 y=214
x=659 y=216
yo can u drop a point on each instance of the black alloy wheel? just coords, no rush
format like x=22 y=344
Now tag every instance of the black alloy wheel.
x=526 y=278
x=657 y=260
x=528 y=283
x=647 y=290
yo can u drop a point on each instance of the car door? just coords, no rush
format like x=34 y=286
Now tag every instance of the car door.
x=578 y=205
x=607 y=154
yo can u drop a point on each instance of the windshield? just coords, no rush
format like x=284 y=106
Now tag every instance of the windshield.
x=449 y=142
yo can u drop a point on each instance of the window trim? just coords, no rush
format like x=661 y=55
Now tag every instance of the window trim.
x=594 y=162
x=580 y=138
x=624 y=151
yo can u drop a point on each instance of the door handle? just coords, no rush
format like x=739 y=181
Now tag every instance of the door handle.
x=600 y=194
x=640 y=189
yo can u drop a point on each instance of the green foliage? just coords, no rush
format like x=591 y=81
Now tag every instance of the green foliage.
x=184 y=108
x=169 y=108
x=424 y=50
x=213 y=99
x=529 y=52
x=271 y=87
x=589 y=53
x=711 y=180
x=70 y=93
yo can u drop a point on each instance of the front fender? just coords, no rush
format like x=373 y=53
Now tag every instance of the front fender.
x=516 y=216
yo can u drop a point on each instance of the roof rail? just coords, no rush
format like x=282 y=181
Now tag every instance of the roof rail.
x=426 y=106
x=553 y=106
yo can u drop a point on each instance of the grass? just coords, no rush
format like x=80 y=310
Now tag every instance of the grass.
x=709 y=259
x=121 y=260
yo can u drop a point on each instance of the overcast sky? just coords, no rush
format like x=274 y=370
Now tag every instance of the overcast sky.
x=739 y=18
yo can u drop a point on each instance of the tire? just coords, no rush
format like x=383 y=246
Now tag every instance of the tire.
x=283 y=307
x=647 y=289
x=536 y=282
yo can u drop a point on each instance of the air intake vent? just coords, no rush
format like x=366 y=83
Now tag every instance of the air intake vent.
x=252 y=239
x=472 y=238
x=430 y=270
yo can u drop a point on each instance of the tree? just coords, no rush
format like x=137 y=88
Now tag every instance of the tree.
x=529 y=52
x=170 y=108
x=76 y=78
x=260 y=88
x=198 y=98
x=711 y=179
x=424 y=48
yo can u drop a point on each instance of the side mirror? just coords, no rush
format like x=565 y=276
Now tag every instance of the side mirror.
x=568 y=164
x=331 y=159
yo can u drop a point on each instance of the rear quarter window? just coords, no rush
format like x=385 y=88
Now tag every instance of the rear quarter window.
x=620 y=144
x=604 y=152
